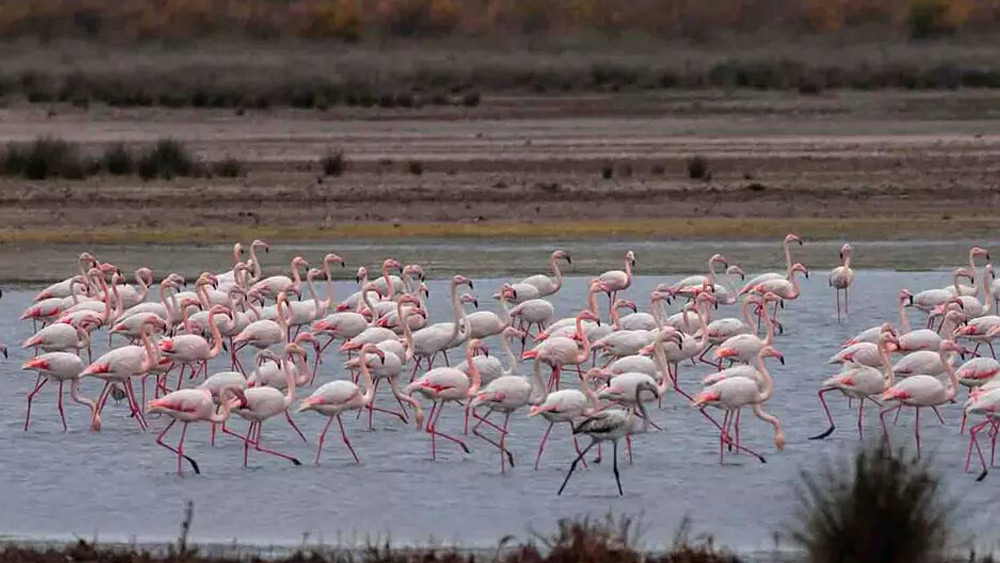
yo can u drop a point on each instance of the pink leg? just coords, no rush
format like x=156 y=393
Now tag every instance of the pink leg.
x=371 y=405
x=935 y=409
x=62 y=413
x=972 y=440
x=541 y=445
x=576 y=446
x=503 y=435
x=722 y=441
x=262 y=449
x=729 y=440
x=180 y=454
x=434 y=432
x=828 y=431
x=322 y=439
x=628 y=446
x=503 y=439
x=291 y=422
x=39 y=383
x=136 y=409
x=180 y=447
x=347 y=440
x=881 y=416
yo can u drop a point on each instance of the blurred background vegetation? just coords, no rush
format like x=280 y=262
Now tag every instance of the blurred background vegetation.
x=354 y=20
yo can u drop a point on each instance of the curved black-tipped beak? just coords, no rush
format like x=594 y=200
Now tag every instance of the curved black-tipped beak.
x=266 y=250
x=225 y=348
x=382 y=358
x=357 y=279
x=569 y=260
x=800 y=242
x=911 y=300
x=807 y=274
x=782 y=360
x=598 y=322
x=824 y=434
x=343 y=264
x=513 y=294
x=743 y=277
x=475 y=303
x=4 y=350
x=841 y=255
x=470 y=285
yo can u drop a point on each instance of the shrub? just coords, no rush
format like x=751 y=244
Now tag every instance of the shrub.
x=697 y=167
x=415 y=167
x=883 y=509
x=167 y=159
x=471 y=99
x=45 y=157
x=228 y=167
x=334 y=163
x=117 y=160
x=607 y=171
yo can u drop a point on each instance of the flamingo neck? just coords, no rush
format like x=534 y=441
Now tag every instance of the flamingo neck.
x=904 y=321
x=540 y=391
x=227 y=406
x=746 y=315
x=152 y=358
x=642 y=413
x=216 y=335
x=768 y=326
x=589 y=392
x=585 y=352
x=368 y=303
x=711 y=272
x=788 y=260
x=312 y=294
x=952 y=387
x=290 y=380
x=505 y=319
x=329 y=291
x=703 y=317
x=255 y=272
x=987 y=289
x=74 y=393
x=616 y=322
x=768 y=390
x=388 y=282
x=660 y=359
x=143 y=288
x=458 y=312
x=887 y=362
x=758 y=410
x=474 y=372
x=592 y=300
x=404 y=319
x=557 y=272
x=511 y=358
x=281 y=320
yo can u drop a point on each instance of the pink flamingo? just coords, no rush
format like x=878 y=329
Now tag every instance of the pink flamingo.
x=119 y=366
x=61 y=367
x=447 y=384
x=734 y=393
x=842 y=276
x=618 y=280
x=919 y=391
x=275 y=285
x=257 y=404
x=191 y=349
x=757 y=280
x=187 y=406
x=544 y=284
x=562 y=351
x=562 y=406
x=860 y=382
x=786 y=290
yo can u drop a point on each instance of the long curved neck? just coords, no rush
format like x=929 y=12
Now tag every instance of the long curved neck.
x=952 y=378
x=711 y=272
x=628 y=270
x=592 y=300
x=216 y=335
x=186 y=320
x=954 y=280
x=388 y=282
x=643 y=415
x=143 y=288
x=280 y=319
x=616 y=322
x=366 y=378
x=329 y=291
x=768 y=390
x=290 y=380
x=788 y=260
x=152 y=357
x=770 y=419
x=511 y=358
x=312 y=294
x=541 y=392
x=660 y=359
x=584 y=354
x=74 y=393
x=227 y=407
x=589 y=392
x=504 y=315
x=746 y=315
x=904 y=321
x=368 y=303
x=474 y=372
x=557 y=272
x=847 y=260
x=768 y=325
x=887 y=362
x=703 y=317
x=404 y=319
x=795 y=285
x=988 y=300
x=458 y=313
x=201 y=290
x=255 y=272
x=972 y=266
x=296 y=280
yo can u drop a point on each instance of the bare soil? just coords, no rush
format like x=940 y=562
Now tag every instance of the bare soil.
x=888 y=164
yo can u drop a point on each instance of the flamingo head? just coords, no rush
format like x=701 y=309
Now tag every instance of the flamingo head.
x=414 y=270
x=467 y=298
x=475 y=344
x=176 y=279
x=587 y=315
x=792 y=237
x=977 y=251
x=799 y=267
x=307 y=337
x=299 y=261
x=390 y=265
x=735 y=270
x=630 y=258
x=562 y=254
x=905 y=295
x=362 y=274
x=719 y=259
x=845 y=251
x=508 y=292
x=334 y=259
x=770 y=352
x=626 y=304
x=260 y=243
x=461 y=280
x=512 y=333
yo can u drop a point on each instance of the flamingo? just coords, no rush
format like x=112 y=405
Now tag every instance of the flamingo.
x=387 y=368
x=864 y=353
x=333 y=398
x=257 y=404
x=64 y=288
x=618 y=280
x=536 y=312
x=970 y=290
x=561 y=351
x=610 y=426
x=265 y=333
x=986 y=404
x=754 y=282
x=562 y=406
x=744 y=347
x=483 y=324
x=58 y=337
x=860 y=382
x=930 y=299
x=490 y=367
x=118 y=366
x=446 y=384
x=191 y=349
x=700 y=280
x=437 y=338
x=60 y=367
x=594 y=287
x=544 y=284
x=506 y=394
x=785 y=289
x=187 y=406
x=919 y=391
x=842 y=276
x=276 y=285
x=737 y=392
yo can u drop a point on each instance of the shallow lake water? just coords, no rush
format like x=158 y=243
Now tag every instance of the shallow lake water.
x=118 y=484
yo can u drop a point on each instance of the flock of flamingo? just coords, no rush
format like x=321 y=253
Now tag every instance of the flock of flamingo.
x=621 y=359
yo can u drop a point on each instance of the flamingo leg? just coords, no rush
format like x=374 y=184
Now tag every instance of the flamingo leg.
x=702 y=359
x=371 y=405
x=730 y=441
x=572 y=466
x=972 y=439
x=503 y=439
x=39 y=383
x=916 y=431
x=62 y=413
x=500 y=444
x=828 y=431
x=979 y=451
x=541 y=445
x=434 y=432
x=881 y=416
x=935 y=409
x=628 y=446
x=837 y=291
x=847 y=308
x=180 y=448
x=136 y=409
x=322 y=438
x=576 y=446
x=291 y=423
x=861 y=418
x=446 y=361
x=262 y=449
